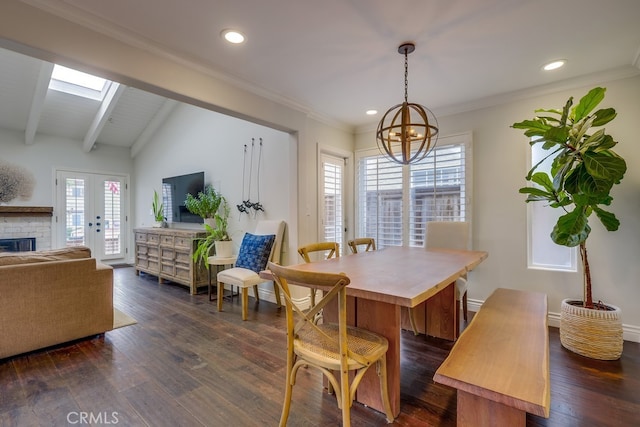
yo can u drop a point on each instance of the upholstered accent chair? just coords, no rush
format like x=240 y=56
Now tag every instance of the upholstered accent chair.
x=451 y=235
x=256 y=249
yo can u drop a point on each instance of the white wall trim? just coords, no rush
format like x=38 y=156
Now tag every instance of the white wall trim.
x=629 y=332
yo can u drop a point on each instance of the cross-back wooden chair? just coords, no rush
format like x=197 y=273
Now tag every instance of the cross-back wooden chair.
x=335 y=349
x=330 y=250
x=369 y=244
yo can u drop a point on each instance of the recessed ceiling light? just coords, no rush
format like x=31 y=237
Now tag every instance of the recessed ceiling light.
x=371 y=112
x=233 y=36
x=554 y=65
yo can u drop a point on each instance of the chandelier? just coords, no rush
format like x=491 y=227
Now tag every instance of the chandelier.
x=407 y=131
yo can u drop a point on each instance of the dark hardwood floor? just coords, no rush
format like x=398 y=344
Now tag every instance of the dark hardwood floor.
x=185 y=364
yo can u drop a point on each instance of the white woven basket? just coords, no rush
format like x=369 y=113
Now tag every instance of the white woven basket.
x=592 y=333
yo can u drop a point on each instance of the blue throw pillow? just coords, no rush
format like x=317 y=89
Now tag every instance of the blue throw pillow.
x=254 y=251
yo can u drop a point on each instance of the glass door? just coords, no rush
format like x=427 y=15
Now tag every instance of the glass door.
x=90 y=211
x=332 y=200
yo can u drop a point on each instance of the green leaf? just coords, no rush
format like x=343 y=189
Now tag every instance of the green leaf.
x=543 y=179
x=536 y=194
x=533 y=127
x=592 y=141
x=592 y=187
x=605 y=165
x=588 y=103
x=604 y=116
x=557 y=134
x=566 y=110
x=571 y=229
x=607 y=143
x=608 y=219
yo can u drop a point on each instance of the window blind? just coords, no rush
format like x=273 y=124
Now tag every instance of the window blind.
x=395 y=201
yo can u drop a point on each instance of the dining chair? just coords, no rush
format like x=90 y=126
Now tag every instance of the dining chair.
x=256 y=249
x=334 y=349
x=451 y=235
x=330 y=250
x=369 y=244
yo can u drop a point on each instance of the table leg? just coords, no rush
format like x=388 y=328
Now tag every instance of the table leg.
x=442 y=318
x=384 y=319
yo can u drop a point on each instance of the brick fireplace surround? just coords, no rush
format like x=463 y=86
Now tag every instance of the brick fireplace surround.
x=27 y=221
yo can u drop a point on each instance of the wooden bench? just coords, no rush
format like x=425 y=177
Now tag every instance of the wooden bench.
x=500 y=363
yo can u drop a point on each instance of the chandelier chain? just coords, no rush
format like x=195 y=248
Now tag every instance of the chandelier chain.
x=406 y=75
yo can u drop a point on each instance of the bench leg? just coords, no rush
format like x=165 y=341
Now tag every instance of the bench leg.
x=476 y=411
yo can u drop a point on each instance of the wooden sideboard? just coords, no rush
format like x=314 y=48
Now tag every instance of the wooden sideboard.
x=168 y=254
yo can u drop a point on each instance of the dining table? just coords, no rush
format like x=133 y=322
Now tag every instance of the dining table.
x=385 y=284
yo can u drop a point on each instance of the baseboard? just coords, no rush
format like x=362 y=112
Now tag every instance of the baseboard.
x=629 y=332
x=266 y=293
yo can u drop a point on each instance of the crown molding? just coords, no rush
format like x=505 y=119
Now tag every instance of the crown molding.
x=532 y=92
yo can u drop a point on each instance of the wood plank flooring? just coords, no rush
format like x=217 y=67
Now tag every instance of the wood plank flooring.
x=185 y=364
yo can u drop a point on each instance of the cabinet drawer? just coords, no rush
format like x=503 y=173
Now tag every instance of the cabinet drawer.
x=167 y=253
x=141 y=237
x=183 y=257
x=166 y=240
x=141 y=249
x=153 y=238
x=183 y=273
x=167 y=269
x=183 y=242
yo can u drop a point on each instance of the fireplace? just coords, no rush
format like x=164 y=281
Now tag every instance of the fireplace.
x=25 y=222
x=22 y=244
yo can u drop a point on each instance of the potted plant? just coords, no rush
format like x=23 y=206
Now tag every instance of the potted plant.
x=205 y=205
x=583 y=172
x=217 y=237
x=157 y=208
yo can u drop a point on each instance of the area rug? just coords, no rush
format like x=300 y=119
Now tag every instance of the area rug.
x=121 y=319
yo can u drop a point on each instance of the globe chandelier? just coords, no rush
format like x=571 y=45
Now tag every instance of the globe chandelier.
x=407 y=132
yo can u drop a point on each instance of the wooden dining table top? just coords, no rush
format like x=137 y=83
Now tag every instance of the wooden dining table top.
x=405 y=276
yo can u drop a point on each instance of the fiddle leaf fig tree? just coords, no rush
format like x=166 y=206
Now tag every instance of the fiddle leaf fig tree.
x=583 y=171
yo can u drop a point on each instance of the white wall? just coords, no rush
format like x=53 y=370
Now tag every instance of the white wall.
x=48 y=153
x=193 y=140
x=499 y=211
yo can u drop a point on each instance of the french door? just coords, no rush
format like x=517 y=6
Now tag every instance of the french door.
x=332 y=200
x=91 y=211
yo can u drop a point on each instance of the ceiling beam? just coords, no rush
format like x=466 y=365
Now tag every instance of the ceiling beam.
x=107 y=106
x=158 y=119
x=39 y=95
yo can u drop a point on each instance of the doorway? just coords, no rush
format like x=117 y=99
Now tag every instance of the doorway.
x=91 y=211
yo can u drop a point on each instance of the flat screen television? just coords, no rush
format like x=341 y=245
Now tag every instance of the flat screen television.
x=174 y=193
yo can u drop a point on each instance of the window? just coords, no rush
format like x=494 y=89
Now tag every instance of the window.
x=395 y=201
x=75 y=82
x=543 y=253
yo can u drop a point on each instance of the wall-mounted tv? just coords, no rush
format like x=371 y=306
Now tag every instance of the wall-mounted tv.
x=174 y=193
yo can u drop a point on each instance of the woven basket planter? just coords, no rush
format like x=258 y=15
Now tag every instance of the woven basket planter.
x=592 y=333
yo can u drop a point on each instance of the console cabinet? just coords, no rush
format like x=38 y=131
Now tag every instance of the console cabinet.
x=168 y=254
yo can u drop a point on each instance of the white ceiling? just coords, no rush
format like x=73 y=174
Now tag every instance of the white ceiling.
x=337 y=58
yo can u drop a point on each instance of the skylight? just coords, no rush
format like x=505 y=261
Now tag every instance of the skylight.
x=76 y=82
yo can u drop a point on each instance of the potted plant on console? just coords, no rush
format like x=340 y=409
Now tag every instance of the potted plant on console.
x=205 y=204
x=583 y=172
x=157 y=207
x=217 y=237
